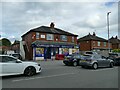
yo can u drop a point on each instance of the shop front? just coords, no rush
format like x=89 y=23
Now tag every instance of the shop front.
x=48 y=50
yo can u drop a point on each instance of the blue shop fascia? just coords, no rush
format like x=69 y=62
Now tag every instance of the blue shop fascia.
x=47 y=50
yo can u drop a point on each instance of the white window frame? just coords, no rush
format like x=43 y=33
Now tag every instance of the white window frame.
x=42 y=36
x=37 y=35
x=99 y=43
x=105 y=44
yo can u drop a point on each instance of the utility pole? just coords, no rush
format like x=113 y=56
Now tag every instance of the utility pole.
x=108 y=30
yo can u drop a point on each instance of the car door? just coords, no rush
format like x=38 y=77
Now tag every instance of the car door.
x=78 y=57
x=10 y=66
x=99 y=60
x=105 y=61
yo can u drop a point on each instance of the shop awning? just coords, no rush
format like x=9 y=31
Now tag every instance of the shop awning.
x=52 y=44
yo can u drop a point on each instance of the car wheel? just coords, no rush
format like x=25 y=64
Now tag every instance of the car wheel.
x=66 y=64
x=75 y=64
x=111 y=65
x=29 y=71
x=83 y=66
x=95 y=66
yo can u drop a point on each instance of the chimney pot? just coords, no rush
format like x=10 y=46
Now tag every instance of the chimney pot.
x=52 y=25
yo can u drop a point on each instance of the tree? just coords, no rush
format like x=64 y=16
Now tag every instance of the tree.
x=6 y=42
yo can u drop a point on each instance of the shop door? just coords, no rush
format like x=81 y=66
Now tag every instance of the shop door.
x=47 y=53
x=54 y=51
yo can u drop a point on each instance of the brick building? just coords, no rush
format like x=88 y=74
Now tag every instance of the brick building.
x=115 y=42
x=45 y=42
x=16 y=46
x=92 y=42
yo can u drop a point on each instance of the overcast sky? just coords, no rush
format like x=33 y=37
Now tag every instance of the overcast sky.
x=80 y=17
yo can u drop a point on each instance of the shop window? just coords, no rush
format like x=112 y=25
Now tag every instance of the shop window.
x=50 y=37
x=39 y=52
x=37 y=35
x=63 y=38
x=65 y=51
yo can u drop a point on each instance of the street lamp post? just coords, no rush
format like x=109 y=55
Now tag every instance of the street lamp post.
x=108 y=30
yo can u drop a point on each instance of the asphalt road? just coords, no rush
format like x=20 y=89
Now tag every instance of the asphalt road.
x=56 y=75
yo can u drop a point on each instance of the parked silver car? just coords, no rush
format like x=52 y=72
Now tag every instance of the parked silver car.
x=95 y=61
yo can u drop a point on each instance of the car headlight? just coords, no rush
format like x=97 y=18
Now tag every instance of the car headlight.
x=38 y=64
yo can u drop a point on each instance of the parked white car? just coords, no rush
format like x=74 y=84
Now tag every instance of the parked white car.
x=9 y=65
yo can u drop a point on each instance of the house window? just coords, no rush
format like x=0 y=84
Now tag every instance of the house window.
x=42 y=36
x=50 y=37
x=105 y=44
x=93 y=43
x=72 y=39
x=63 y=38
x=37 y=35
x=98 y=43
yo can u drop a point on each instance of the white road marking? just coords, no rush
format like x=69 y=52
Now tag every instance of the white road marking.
x=43 y=77
x=54 y=68
x=61 y=74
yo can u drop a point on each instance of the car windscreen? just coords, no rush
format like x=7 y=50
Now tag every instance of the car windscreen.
x=88 y=52
x=76 y=56
x=15 y=55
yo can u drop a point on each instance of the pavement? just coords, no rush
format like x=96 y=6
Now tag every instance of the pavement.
x=56 y=75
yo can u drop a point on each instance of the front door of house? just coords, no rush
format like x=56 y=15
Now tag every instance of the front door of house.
x=47 y=53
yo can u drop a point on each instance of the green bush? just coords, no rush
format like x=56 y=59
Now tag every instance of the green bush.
x=116 y=50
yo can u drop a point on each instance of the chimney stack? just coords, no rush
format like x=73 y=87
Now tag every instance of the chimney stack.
x=89 y=34
x=52 y=25
x=116 y=37
x=94 y=34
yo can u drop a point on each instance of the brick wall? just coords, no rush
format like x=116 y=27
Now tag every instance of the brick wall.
x=89 y=45
x=31 y=37
x=69 y=38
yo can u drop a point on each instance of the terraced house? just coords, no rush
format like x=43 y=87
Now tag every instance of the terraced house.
x=115 y=42
x=45 y=42
x=93 y=42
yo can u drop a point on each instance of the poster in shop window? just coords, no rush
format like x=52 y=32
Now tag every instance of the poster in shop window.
x=65 y=51
x=39 y=52
x=75 y=51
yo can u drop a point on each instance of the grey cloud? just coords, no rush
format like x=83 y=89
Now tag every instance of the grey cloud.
x=77 y=18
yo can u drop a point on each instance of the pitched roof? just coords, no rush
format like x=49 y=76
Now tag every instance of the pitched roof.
x=91 y=37
x=16 y=42
x=45 y=29
x=114 y=40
